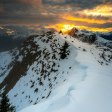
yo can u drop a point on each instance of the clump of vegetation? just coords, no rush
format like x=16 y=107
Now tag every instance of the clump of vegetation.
x=5 y=105
x=64 y=50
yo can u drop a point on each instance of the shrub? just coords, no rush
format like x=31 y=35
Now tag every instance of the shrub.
x=64 y=50
x=5 y=105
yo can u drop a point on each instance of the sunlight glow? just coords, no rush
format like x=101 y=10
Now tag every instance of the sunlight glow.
x=65 y=27
x=62 y=27
x=87 y=20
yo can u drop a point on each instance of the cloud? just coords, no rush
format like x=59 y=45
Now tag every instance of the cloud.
x=81 y=4
x=32 y=2
x=104 y=10
x=86 y=19
x=80 y=12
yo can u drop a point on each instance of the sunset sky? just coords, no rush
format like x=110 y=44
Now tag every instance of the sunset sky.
x=95 y=15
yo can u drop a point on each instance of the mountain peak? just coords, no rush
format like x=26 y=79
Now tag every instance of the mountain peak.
x=72 y=32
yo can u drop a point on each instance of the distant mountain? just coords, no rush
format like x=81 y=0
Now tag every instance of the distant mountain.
x=8 y=43
x=12 y=36
x=107 y=36
x=101 y=39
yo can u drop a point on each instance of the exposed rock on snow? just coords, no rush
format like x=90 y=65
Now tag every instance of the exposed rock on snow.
x=83 y=36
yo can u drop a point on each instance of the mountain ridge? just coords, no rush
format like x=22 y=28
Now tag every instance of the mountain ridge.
x=44 y=62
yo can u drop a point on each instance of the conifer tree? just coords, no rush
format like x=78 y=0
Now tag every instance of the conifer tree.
x=64 y=50
x=5 y=105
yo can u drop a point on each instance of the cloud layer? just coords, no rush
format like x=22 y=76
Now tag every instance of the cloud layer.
x=94 y=13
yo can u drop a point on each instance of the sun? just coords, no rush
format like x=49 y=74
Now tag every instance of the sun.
x=62 y=27
x=67 y=27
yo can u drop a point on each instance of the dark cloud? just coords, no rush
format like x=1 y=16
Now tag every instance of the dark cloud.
x=45 y=11
x=82 y=4
x=16 y=10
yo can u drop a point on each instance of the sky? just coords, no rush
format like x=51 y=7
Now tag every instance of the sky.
x=95 y=15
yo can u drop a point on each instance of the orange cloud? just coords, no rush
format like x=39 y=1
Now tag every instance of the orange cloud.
x=87 y=20
x=95 y=29
x=101 y=10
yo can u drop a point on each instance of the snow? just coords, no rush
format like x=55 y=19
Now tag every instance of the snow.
x=21 y=95
x=20 y=58
x=88 y=88
x=5 y=59
x=83 y=84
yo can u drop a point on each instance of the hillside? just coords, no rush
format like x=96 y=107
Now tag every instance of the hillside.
x=59 y=72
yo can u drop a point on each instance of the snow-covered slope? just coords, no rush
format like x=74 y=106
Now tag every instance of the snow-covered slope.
x=5 y=59
x=52 y=72
x=87 y=90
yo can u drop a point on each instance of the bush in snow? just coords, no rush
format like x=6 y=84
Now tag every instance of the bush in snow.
x=64 y=51
x=5 y=105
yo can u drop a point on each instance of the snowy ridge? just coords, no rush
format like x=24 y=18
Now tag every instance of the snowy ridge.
x=53 y=80
x=92 y=93
x=45 y=71
x=42 y=76
x=90 y=37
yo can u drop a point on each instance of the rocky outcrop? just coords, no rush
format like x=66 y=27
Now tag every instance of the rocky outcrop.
x=83 y=36
x=73 y=32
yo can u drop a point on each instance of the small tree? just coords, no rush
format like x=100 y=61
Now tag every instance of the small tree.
x=5 y=105
x=64 y=50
